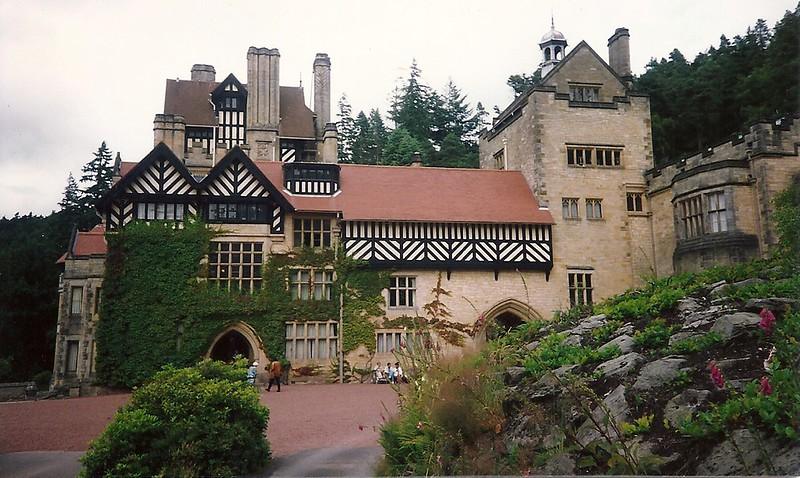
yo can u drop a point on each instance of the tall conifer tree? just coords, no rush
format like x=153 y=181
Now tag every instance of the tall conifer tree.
x=97 y=175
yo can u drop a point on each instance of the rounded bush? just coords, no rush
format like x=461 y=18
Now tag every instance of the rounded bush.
x=199 y=421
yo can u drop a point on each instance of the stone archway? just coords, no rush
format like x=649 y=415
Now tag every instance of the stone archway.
x=506 y=315
x=240 y=339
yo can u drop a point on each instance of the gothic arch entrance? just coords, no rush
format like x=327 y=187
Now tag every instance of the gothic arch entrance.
x=237 y=339
x=506 y=315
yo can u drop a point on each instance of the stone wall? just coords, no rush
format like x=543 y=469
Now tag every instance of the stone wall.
x=751 y=170
x=86 y=273
x=535 y=135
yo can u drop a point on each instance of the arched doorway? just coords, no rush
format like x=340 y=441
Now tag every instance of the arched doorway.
x=237 y=339
x=503 y=324
x=507 y=315
x=231 y=344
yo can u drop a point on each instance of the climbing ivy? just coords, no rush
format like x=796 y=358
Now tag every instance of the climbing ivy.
x=155 y=309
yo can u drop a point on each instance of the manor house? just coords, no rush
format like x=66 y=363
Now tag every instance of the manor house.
x=566 y=208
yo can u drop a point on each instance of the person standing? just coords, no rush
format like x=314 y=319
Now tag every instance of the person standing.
x=275 y=372
x=252 y=372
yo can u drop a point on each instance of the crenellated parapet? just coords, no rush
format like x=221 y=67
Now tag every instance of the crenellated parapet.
x=780 y=137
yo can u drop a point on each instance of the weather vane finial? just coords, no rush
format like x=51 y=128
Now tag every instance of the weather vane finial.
x=552 y=22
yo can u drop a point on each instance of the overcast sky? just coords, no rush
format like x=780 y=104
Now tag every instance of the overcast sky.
x=75 y=73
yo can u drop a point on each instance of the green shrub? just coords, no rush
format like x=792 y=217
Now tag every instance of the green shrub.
x=601 y=334
x=654 y=336
x=199 y=421
x=42 y=379
x=553 y=353
x=694 y=344
x=639 y=426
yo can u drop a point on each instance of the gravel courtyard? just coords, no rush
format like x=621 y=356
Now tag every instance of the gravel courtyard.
x=304 y=419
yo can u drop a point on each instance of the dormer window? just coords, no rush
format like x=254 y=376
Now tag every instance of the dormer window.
x=585 y=94
x=311 y=178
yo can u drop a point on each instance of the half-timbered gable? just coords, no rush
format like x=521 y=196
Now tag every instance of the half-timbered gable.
x=230 y=103
x=158 y=188
x=236 y=191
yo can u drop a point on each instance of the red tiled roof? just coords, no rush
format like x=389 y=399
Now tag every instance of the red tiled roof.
x=191 y=99
x=88 y=243
x=402 y=193
x=125 y=167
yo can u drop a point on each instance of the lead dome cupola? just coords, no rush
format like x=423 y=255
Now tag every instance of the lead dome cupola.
x=554 y=47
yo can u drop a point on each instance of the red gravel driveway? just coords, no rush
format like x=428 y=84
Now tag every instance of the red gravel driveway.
x=302 y=417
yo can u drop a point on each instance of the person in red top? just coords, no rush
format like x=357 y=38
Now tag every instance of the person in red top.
x=275 y=373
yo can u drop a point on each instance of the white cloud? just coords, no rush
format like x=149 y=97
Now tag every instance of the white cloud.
x=75 y=73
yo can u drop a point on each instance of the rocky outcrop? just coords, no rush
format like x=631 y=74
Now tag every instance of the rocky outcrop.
x=658 y=373
x=732 y=325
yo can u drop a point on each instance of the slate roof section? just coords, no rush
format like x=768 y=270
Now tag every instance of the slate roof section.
x=87 y=244
x=402 y=193
x=192 y=100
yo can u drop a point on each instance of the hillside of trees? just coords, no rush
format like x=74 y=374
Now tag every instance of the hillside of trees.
x=31 y=246
x=724 y=89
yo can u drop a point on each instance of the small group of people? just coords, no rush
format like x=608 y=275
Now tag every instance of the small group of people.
x=274 y=373
x=389 y=374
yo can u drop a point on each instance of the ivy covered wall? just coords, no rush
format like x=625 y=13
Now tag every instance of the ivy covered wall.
x=155 y=311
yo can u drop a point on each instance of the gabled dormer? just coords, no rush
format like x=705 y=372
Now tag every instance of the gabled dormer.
x=585 y=78
x=230 y=104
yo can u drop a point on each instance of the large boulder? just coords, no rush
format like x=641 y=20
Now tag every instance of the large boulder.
x=617 y=410
x=681 y=406
x=620 y=366
x=733 y=325
x=725 y=289
x=744 y=453
x=659 y=372
x=588 y=324
x=689 y=304
x=558 y=465
x=624 y=342
x=772 y=303
x=514 y=375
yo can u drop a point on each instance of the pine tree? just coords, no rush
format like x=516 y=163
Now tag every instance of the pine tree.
x=413 y=106
x=98 y=174
x=457 y=115
x=363 y=143
x=379 y=136
x=399 y=147
x=346 y=130
x=72 y=200
x=522 y=83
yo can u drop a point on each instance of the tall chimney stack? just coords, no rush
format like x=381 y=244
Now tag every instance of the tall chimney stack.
x=202 y=72
x=619 y=54
x=263 y=102
x=322 y=91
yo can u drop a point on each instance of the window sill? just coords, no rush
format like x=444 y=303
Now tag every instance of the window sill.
x=638 y=213
x=571 y=219
x=401 y=307
x=596 y=219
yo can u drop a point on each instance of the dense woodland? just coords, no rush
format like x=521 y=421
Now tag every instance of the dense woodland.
x=694 y=104
x=31 y=247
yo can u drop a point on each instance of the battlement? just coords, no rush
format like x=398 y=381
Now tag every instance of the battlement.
x=780 y=137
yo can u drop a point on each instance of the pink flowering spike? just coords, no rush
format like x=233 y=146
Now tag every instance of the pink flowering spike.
x=716 y=375
x=767 y=321
x=766 y=387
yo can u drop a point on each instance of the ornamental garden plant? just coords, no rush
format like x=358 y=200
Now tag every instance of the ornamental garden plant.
x=204 y=420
